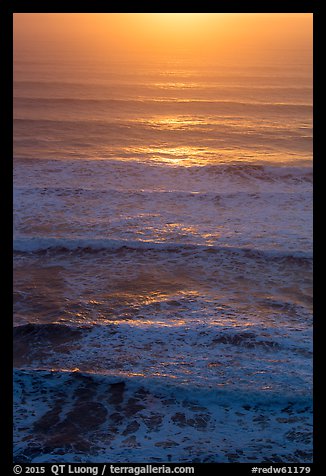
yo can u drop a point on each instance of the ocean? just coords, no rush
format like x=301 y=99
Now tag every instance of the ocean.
x=162 y=262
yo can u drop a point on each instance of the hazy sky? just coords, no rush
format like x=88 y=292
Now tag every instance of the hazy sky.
x=143 y=36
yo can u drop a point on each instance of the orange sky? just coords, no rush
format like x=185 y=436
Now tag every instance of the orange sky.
x=143 y=36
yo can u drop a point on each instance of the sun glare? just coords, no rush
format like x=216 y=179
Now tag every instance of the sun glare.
x=178 y=20
x=181 y=26
x=147 y=36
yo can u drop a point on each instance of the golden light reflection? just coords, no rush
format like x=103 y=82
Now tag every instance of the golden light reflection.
x=99 y=371
x=177 y=228
x=200 y=156
x=174 y=123
x=138 y=322
x=182 y=155
x=176 y=85
x=60 y=369
x=142 y=374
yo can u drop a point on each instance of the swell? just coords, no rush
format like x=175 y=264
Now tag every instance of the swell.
x=197 y=84
x=177 y=133
x=176 y=103
x=89 y=246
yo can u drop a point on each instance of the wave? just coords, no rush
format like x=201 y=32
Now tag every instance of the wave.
x=31 y=337
x=174 y=103
x=53 y=331
x=232 y=168
x=199 y=393
x=176 y=133
x=41 y=244
x=262 y=172
x=30 y=341
x=210 y=83
x=149 y=194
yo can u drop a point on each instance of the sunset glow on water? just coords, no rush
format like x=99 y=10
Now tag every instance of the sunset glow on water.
x=163 y=237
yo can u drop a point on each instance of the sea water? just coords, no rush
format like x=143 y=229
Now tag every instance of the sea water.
x=162 y=262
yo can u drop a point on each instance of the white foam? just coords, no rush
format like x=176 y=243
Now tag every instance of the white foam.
x=220 y=206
